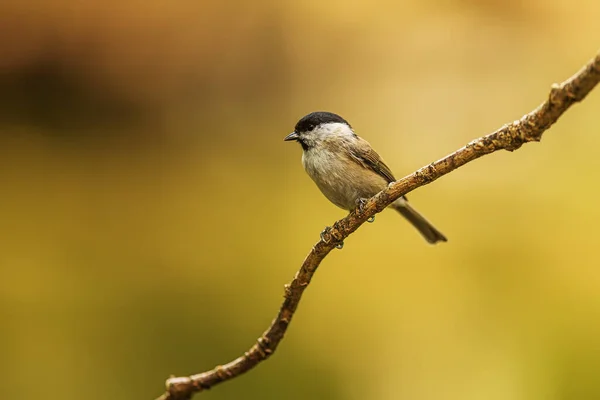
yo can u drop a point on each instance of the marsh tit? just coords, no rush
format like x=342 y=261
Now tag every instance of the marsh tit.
x=347 y=170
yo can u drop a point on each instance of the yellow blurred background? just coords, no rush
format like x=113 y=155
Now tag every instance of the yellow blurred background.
x=151 y=213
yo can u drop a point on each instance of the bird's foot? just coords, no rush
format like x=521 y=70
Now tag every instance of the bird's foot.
x=361 y=205
x=327 y=231
x=323 y=233
x=361 y=202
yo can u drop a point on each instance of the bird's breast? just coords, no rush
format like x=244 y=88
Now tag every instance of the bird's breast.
x=341 y=179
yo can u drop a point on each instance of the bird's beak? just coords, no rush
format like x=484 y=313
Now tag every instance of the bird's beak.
x=291 y=136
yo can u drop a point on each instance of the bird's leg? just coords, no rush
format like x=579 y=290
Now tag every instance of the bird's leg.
x=361 y=204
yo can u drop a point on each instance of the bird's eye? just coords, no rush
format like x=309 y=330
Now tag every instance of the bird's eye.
x=311 y=127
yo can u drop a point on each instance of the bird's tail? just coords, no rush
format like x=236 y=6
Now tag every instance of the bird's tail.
x=429 y=232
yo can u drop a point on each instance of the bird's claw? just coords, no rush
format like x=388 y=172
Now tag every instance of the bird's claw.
x=361 y=207
x=361 y=204
x=324 y=240
x=323 y=232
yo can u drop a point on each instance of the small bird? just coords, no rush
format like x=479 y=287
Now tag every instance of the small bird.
x=346 y=168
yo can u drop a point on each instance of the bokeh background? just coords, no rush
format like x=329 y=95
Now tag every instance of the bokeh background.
x=150 y=212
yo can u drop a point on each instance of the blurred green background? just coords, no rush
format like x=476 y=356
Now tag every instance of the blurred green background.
x=151 y=213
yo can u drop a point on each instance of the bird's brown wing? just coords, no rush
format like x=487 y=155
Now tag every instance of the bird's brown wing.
x=363 y=153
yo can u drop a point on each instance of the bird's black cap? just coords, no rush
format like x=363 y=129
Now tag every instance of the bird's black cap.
x=312 y=120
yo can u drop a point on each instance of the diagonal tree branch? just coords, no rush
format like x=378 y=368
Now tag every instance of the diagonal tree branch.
x=509 y=137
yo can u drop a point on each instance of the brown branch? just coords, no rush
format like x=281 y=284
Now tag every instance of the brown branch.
x=510 y=137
